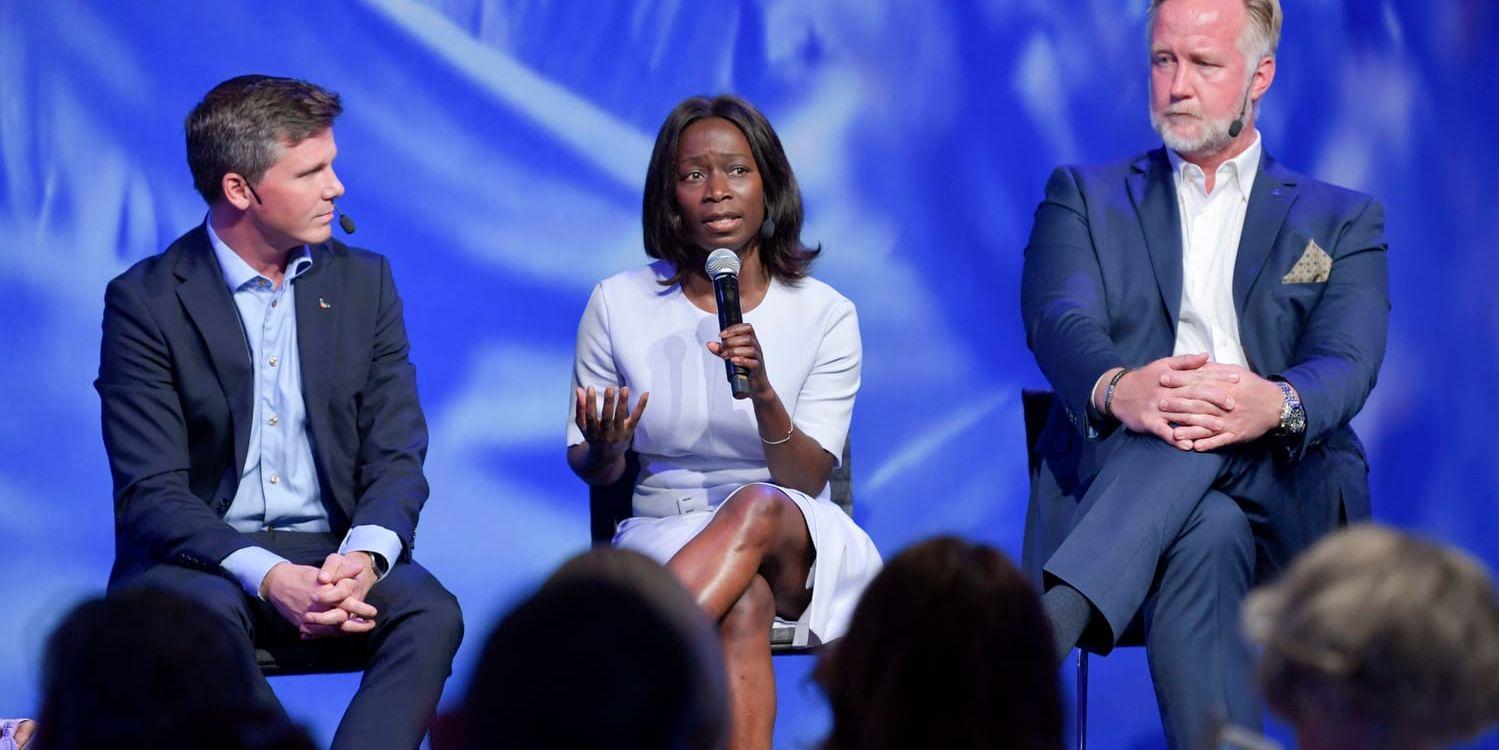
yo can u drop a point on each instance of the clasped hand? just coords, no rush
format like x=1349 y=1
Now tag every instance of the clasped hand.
x=326 y=601
x=1195 y=404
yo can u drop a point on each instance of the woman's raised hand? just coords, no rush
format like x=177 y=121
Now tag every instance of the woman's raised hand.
x=609 y=433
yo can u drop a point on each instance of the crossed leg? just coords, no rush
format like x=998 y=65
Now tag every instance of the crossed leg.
x=748 y=565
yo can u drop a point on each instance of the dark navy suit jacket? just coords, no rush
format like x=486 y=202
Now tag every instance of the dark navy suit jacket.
x=1102 y=285
x=175 y=383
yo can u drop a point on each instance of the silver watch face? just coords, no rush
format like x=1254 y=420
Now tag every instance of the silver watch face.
x=1292 y=415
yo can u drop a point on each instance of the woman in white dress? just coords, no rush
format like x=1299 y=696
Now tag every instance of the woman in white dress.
x=732 y=494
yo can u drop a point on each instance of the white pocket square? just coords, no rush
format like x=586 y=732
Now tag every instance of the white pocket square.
x=1314 y=266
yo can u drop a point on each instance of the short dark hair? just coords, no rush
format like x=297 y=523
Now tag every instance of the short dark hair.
x=240 y=125
x=948 y=648
x=633 y=663
x=131 y=670
x=783 y=253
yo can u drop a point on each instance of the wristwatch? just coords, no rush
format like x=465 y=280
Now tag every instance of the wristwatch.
x=1292 y=415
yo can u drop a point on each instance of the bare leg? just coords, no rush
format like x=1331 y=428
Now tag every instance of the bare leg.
x=757 y=531
x=752 y=679
x=750 y=563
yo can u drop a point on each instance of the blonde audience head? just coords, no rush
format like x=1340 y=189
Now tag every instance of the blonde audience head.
x=1376 y=639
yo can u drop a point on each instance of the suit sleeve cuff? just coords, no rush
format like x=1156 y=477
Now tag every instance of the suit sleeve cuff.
x=376 y=540
x=249 y=566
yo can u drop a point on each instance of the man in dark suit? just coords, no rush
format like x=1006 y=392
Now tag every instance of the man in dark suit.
x=261 y=416
x=1210 y=321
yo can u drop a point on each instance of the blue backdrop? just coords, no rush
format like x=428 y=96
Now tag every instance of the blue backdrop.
x=496 y=149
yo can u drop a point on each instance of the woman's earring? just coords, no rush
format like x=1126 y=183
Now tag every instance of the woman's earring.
x=768 y=228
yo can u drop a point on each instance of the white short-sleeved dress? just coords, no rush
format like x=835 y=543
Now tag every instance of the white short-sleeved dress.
x=697 y=444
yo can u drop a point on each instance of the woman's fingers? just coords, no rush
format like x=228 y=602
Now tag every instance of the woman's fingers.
x=613 y=423
x=608 y=415
x=622 y=410
x=580 y=414
x=592 y=411
x=639 y=410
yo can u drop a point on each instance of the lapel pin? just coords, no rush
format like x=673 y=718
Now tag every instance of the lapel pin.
x=324 y=304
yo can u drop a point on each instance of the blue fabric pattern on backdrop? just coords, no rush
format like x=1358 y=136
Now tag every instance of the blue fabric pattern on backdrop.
x=496 y=150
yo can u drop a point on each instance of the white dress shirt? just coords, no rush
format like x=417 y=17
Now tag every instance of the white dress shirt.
x=1211 y=224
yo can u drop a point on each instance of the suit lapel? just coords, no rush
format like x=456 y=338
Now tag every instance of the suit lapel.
x=1154 y=197
x=1269 y=200
x=318 y=309
x=210 y=306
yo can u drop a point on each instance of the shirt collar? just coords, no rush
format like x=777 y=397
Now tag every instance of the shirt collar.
x=238 y=273
x=1242 y=169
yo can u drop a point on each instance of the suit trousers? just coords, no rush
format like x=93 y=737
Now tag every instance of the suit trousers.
x=1170 y=539
x=409 y=652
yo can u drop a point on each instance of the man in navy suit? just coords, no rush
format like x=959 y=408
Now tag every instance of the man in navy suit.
x=1210 y=322
x=261 y=416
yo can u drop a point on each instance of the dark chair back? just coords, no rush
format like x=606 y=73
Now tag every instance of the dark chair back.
x=326 y=656
x=1037 y=405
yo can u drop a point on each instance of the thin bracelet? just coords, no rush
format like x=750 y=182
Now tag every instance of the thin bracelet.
x=1108 y=393
x=789 y=431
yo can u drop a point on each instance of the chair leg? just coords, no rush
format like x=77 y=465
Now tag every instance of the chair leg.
x=1082 y=700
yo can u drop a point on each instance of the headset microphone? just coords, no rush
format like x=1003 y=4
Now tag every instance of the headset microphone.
x=344 y=222
x=1237 y=126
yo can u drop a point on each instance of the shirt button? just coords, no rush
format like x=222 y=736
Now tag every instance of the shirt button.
x=275 y=361
x=273 y=302
x=273 y=421
x=275 y=479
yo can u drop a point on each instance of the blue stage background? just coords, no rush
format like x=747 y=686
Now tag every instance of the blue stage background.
x=495 y=150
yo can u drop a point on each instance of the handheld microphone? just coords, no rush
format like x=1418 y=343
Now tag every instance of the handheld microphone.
x=1237 y=126
x=344 y=222
x=723 y=269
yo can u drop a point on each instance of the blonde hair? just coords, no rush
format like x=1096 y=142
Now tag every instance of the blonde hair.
x=1396 y=637
x=1261 y=34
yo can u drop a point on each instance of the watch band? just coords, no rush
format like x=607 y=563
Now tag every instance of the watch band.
x=1292 y=413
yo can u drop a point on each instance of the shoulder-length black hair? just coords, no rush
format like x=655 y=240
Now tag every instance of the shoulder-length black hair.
x=782 y=253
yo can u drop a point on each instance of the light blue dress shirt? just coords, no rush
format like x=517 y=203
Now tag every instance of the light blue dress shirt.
x=278 y=490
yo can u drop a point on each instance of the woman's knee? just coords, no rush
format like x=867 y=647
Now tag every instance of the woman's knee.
x=752 y=613
x=756 y=512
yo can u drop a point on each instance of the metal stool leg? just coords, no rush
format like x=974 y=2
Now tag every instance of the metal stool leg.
x=1082 y=699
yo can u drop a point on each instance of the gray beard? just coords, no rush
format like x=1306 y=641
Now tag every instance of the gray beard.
x=1213 y=138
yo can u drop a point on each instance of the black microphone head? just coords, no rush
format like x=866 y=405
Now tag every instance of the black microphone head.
x=345 y=223
x=1235 y=128
x=722 y=262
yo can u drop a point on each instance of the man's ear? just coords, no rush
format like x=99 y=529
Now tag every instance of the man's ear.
x=1264 y=75
x=237 y=190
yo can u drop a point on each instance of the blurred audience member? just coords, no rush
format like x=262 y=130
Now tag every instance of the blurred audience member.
x=948 y=648
x=1374 y=639
x=151 y=669
x=612 y=652
x=16 y=734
